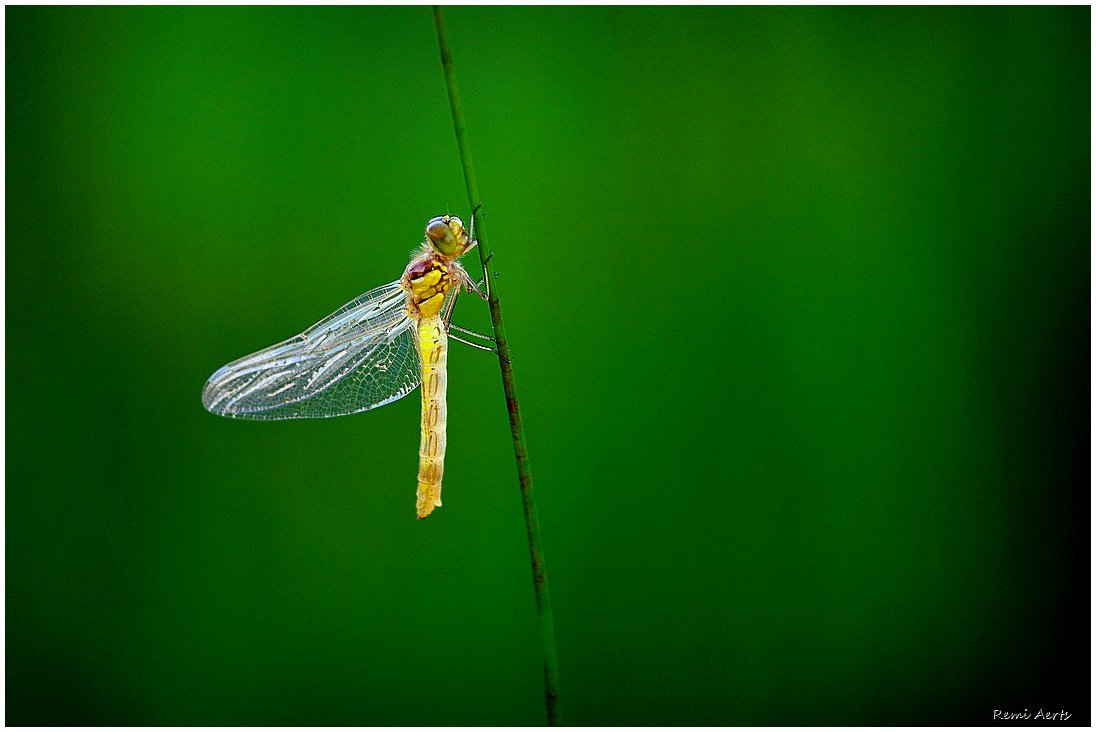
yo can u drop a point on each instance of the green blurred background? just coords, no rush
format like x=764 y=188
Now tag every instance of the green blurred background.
x=799 y=302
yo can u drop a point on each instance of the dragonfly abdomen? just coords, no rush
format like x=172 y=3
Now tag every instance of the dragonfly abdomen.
x=433 y=347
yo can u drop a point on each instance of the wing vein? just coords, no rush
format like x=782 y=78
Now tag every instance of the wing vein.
x=360 y=357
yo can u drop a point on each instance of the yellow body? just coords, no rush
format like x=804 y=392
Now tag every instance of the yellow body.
x=428 y=280
x=433 y=348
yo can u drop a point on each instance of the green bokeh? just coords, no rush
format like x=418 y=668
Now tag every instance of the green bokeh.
x=799 y=302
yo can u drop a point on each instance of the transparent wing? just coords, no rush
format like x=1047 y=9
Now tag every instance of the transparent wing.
x=361 y=356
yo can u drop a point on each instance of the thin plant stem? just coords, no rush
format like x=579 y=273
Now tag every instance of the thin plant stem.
x=525 y=476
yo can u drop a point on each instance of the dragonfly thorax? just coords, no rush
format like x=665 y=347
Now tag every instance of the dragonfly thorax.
x=427 y=281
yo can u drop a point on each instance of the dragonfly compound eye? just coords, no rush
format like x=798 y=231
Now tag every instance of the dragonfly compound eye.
x=446 y=235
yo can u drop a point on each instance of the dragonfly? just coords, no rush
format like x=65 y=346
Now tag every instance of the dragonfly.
x=370 y=352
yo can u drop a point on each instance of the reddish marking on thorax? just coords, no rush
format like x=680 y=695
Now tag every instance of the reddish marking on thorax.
x=428 y=280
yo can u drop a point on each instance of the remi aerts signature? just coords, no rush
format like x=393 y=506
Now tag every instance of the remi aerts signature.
x=1042 y=715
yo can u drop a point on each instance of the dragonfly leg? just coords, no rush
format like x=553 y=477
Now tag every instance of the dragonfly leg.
x=471 y=333
x=492 y=349
x=472 y=223
x=473 y=345
x=472 y=230
x=448 y=314
x=475 y=287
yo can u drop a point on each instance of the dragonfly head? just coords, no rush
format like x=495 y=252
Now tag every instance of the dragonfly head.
x=447 y=236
